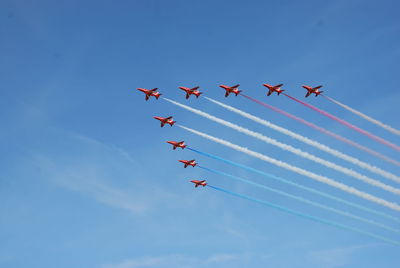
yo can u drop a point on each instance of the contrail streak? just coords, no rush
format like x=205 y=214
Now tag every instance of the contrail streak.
x=291 y=149
x=325 y=131
x=298 y=170
x=308 y=141
x=310 y=217
x=301 y=199
x=366 y=117
x=347 y=124
x=297 y=185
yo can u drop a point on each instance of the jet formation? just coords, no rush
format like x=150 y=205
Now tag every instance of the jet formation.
x=228 y=90
x=194 y=91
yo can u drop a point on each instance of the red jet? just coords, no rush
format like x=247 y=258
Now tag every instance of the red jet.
x=150 y=92
x=164 y=121
x=177 y=144
x=273 y=89
x=233 y=89
x=199 y=183
x=188 y=163
x=190 y=91
x=312 y=90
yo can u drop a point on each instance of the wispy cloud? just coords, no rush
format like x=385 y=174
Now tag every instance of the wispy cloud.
x=105 y=173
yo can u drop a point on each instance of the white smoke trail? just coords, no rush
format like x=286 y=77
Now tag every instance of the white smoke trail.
x=366 y=117
x=292 y=149
x=298 y=170
x=308 y=141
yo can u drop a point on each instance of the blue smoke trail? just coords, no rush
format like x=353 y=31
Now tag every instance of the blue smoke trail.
x=344 y=213
x=317 y=219
x=296 y=185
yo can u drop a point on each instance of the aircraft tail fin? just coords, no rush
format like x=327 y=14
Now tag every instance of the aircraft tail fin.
x=157 y=95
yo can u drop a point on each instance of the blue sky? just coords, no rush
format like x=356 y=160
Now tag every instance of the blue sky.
x=87 y=179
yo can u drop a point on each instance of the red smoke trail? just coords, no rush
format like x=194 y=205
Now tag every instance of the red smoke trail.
x=327 y=132
x=347 y=124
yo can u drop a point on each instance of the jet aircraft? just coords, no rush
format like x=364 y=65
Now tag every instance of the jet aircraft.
x=150 y=92
x=233 y=89
x=272 y=89
x=188 y=163
x=190 y=91
x=177 y=144
x=199 y=183
x=311 y=90
x=167 y=120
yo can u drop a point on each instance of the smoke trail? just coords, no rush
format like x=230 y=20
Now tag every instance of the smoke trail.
x=301 y=199
x=366 y=117
x=291 y=149
x=298 y=170
x=325 y=131
x=311 y=190
x=309 y=142
x=314 y=218
x=347 y=124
